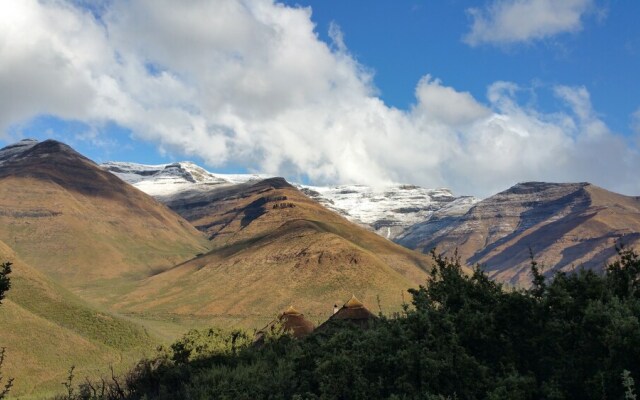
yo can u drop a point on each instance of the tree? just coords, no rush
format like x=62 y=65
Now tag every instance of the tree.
x=5 y=283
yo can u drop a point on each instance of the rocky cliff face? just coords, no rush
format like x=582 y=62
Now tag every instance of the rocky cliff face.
x=566 y=226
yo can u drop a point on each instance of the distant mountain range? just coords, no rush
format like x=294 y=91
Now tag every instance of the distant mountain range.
x=577 y=225
x=391 y=209
x=386 y=210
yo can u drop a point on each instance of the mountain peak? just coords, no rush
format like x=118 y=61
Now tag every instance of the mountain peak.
x=169 y=179
x=565 y=225
x=14 y=150
x=539 y=187
x=32 y=148
x=82 y=204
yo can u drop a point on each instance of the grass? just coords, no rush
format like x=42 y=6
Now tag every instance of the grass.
x=46 y=329
x=305 y=256
x=67 y=311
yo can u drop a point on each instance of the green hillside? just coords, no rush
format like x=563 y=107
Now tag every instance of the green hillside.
x=46 y=329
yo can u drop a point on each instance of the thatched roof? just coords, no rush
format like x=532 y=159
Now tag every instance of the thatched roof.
x=292 y=321
x=353 y=311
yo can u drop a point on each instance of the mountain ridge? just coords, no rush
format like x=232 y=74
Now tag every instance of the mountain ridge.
x=269 y=236
x=56 y=203
x=260 y=229
x=387 y=210
x=566 y=226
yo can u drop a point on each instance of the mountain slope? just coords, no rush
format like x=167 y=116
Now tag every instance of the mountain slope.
x=46 y=330
x=391 y=209
x=565 y=225
x=65 y=216
x=274 y=247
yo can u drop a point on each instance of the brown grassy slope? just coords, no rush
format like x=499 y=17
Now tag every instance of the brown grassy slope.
x=46 y=330
x=84 y=226
x=566 y=226
x=274 y=247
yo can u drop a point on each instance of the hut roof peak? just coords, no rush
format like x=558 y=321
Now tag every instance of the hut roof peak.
x=353 y=303
x=291 y=311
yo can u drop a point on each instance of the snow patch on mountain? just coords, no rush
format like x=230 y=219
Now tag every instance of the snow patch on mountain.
x=167 y=180
x=388 y=210
x=15 y=150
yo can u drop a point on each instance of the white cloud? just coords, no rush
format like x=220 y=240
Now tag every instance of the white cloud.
x=250 y=83
x=441 y=104
x=511 y=21
x=39 y=72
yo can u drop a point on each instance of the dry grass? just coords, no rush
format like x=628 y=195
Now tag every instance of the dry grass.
x=305 y=255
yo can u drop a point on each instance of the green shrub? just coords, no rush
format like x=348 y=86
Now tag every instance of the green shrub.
x=465 y=337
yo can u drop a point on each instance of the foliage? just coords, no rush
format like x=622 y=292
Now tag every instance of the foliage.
x=5 y=283
x=197 y=344
x=627 y=382
x=466 y=337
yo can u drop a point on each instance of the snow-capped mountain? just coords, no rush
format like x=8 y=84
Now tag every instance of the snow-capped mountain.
x=391 y=209
x=168 y=180
x=387 y=210
x=16 y=150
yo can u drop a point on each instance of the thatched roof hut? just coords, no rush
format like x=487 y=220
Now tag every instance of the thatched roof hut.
x=353 y=311
x=296 y=323
x=291 y=320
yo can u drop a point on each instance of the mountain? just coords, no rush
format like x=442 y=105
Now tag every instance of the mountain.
x=391 y=209
x=386 y=210
x=83 y=226
x=566 y=226
x=274 y=247
x=167 y=180
x=46 y=329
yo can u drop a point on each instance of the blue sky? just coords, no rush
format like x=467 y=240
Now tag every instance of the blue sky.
x=474 y=96
x=403 y=40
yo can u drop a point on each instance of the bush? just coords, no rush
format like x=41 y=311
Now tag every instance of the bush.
x=5 y=283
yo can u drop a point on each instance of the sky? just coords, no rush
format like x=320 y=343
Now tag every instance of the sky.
x=474 y=96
